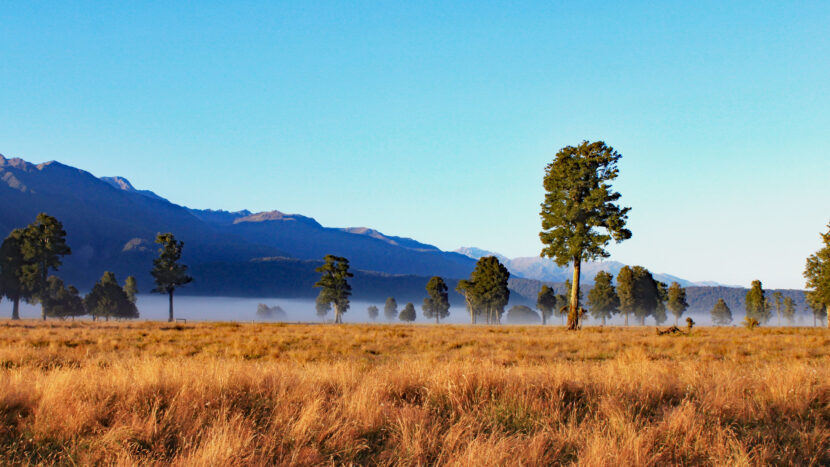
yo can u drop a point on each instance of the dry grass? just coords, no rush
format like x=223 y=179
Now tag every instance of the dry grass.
x=225 y=394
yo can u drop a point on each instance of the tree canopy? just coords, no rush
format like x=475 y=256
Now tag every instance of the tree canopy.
x=721 y=314
x=521 y=314
x=43 y=246
x=334 y=285
x=817 y=274
x=62 y=302
x=546 y=303
x=489 y=292
x=168 y=273
x=602 y=299
x=580 y=214
x=677 y=301
x=437 y=303
x=108 y=300
x=12 y=285
x=373 y=312
x=390 y=308
x=756 y=304
x=408 y=313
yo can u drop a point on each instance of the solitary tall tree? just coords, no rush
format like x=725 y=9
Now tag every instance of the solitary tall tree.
x=546 y=302
x=43 y=246
x=677 y=301
x=580 y=215
x=817 y=273
x=390 y=309
x=437 y=304
x=168 y=273
x=602 y=299
x=373 y=312
x=334 y=285
x=12 y=285
x=755 y=303
x=408 y=313
x=721 y=314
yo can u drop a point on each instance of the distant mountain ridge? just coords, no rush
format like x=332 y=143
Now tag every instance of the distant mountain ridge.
x=546 y=270
x=112 y=226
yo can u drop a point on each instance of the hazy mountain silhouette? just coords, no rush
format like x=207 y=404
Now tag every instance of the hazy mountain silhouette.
x=111 y=226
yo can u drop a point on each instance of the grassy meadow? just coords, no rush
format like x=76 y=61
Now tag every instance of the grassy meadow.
x=265 y=394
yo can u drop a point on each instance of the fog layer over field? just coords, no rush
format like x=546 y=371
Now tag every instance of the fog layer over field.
x=154 y=308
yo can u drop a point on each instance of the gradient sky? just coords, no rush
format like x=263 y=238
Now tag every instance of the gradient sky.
x=436 y=120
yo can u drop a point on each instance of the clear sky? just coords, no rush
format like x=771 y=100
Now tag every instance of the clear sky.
x=436 y=120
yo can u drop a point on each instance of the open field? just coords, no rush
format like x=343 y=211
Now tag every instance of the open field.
x=221 y=393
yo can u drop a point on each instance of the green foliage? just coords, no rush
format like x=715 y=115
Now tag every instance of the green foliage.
x=167 y=272
x=61 y=302
x=390 y=308
x=108 y=300
x=602 y=299
x=579 y=214
x=520 y=314
x=43 y=244
x=638 y=292
x=721 y=314
x=487 y=288
x=373 y=312
x=437 y=304
x=270 y=313
x=789 y=310
x=131 y=288
x=676 y=300
x=408 y=313
x=817 y=274
x=12 y=262
x=546 y=303
x=334 y=285
x=321 y=306
x=756 y=304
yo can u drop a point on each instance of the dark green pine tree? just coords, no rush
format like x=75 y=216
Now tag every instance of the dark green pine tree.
x=602 y=299
x=43 y=246
x=168 y=272
x=131 y=288
x=408 y=313
x=334 y=285
x=373 y=312
x=638 y=292
x=756 y=304
x=108 y=300
x=12 y=285
x=662 y=297
x=677 y=303
x=490 y=292
x=721 y=314
x=390 y=309
x=437 y=304
x=625 y=291
x=817 y=273
x=546 y=303
x=580 y=215
x=60 y=301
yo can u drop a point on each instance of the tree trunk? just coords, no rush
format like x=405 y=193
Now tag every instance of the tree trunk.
x=626 y=318
x=436 y=318
x=543 y=317
x=16 y=309
x=603 y=320
x=573 y=311
x=170 y=295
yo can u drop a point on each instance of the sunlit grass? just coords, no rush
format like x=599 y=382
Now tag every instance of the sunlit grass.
x=224 y=393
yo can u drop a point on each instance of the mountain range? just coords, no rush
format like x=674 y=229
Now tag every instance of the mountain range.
x=111 y=226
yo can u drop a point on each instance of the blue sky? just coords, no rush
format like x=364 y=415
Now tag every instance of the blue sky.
x=435 y=120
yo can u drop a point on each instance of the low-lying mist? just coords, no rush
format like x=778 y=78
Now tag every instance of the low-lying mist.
x=192 y=308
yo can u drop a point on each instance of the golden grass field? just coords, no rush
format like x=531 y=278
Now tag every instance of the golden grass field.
x=265 y=394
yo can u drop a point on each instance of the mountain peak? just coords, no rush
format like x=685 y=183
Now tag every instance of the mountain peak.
x=121 y=183
x=268 y=216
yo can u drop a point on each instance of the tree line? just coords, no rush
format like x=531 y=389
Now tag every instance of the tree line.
x=29 y=255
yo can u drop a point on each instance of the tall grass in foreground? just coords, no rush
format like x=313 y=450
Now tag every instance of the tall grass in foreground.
x=260 y=394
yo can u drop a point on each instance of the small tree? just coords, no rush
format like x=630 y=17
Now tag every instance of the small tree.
x=579 y=214
x=778 y=303
x=818 y=311
x=789 y=310
x=43 y=246
x=662 y=297
x=108 y=300
x=334 y=285
x=61 y=302
x=638 y=293
x=373 y=312
x=12 y=285
x=408 y=313
x=520 y=314
x=756 y=304
x=817 y=274
x=437 y=304
x=490 y=290
x=390 y=308
x=131 y=288
x=546 y=302
x=467 y=288
x=602 y=299
x=168 y=273
x=721 y=314
x=625 y=291
x=677 y=301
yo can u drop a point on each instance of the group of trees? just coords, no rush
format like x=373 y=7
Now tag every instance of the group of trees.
x=485 y=292
x=28 y=255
